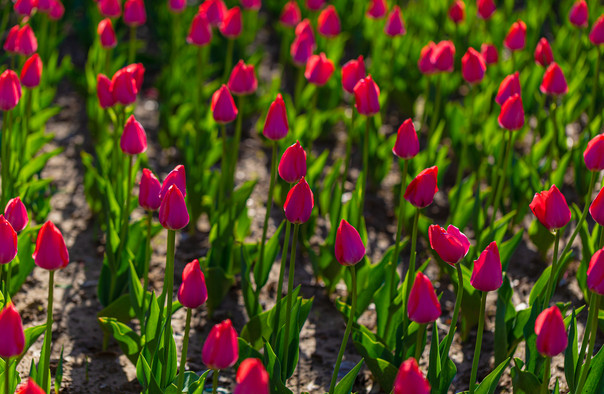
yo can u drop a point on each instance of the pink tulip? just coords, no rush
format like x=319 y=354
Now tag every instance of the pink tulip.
x=149 y=189
x=299 y=203
x=214 y=11
x=110 y=8
x=173 y=214
x=329 y=22
x=451 y=244
x=554 y=82
x=231 y=23
x=473 y=66
x=511 y=116
x=489 y=53
x=223 y=106
x=420 y=192
x=57 y=10
x=424 y=63
x=352 y=72
x=16 y=214
x=516 y=37
x=103 y=91
x=596 y=36
x=11 y=332
x=106 y=34
x=200 y=32
x=26 y=43
x=243 y=80
x=177 y=6
x=443 y=56
x=366 y=95
x=423 y=306
x=123 y=87
x=176 y=177
x=486 y=8
x=25 y=7
x=319 y=69
x=253 y=5
x=349 y=245
x=410 y=380
x=291 y=15
x=550 y=207
x=394 y=23
x=551 y=333
x=377 y=9
x=51 y=252
x=8 y=246
x=221 y=349
x=457 y=12
x=10 y=90
x=252 y=378
x=276 y=125
x=407 y=144
x=314 y=5
x=594 y=154
x=292 y=166
x=543 y=53
x=29 y=388
x=595 y=273
x=192 y=292
x=134 y=13
x=10 y=45
x=134 y=138
x=579 y=14
x=487 y=275
x=508 y=87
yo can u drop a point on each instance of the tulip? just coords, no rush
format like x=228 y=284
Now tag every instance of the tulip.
x=192 y=292
x=473 y=66
x=424 y=63
x=134 y=139
x=25 y=7
x=594 y=154
x=51 y=252
x=137 y=71
x=508 y=87
x=305 y=28
x=177 y=6
x=377 y=9
x=123 y=87
x=110 y=8
x=57 y=10
x=253 y=5
x=550 y=208
x=10 y=90
x=252 y=378
x=487 y=275
x=11 y=332
x=173 y=214
x=291 y=15
x=516 y=37
x=292 y=166
x=579 y=14
x=420 y=192
x=231 y=24
x=26 y=43
x=329 y=22
x=11 y=39
x=543 y=53
x=596 y=208
x=301 y=49
x=214 y=11
x=243 y=79
x=394 y=24
x=349 y=245
x=511 y=116
x=106 y=34
x=103 y=91
x=366 y=94
x=149 y=189
x=319 y=69
x=16 y=214
x=176 y=177
x=595 y=273
x=314 y=5
x=410 y=379
x=134 y=13
x=276 y=125
x=457 y=12
x=200 y=32
x=554 y=82
x=221 y=349
x=8 y=246
x=223 y=106
x=443 y=56
x=489 y=53
x=407 y=144
x=352 y=72
x=423 y=306
x=29 y=388
x=551 y=334
x=596 y=36
x=486 y=8
x=299 y=203
x=450 y=244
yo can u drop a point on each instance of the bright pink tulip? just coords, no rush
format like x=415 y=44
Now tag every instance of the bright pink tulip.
x=192 y=292
x=424 y=63
x=319 y=69
x=486 y=8
x=177 y=6
x=394 y=23
x=511 y=116
x=243 y=80
x=443 y=56
x=221 y=348
x=423 y=306
x=377 y=9
x=110 y=8
x=103 y=91
x=57 y=10
x=473 y=66
x=516 y=37
x=595 y=273
x=8 y=246
x=329 y=22
x=420 y=192
x=200 y=32
x=123 y=87
x=134 y=138
x=16 y=214
x=29 y=388
x=451 y=244
x=410 y=380
x=579 y=14
x=137 y=71
x=223 y=106
x=214 y=11
x=554 y=82
x=508 y=87
x=253 y=5
x=231 y=23
x=173 y=214
x=10 y=45
x=550 y=207
x=176 y=177
x=299 y=203
x=31 y=72
x=291 y=15
x=148 y=191
x=349 y=245
x=487 y=274
x=11 y=332
x=407 y=144
x=596 y=209
x=252 y=378
x=314 y=5
x=276 y=125
x=457 y=12
x=352 y=72
x=26 y=43
x=301 y=49
x=594 y=154
x=551 y=333
x=543 y=53
x=106 y=34
x=51 y=252
x=305 y=28
x=366 y=95
x=10 y=90
x=596 y=36
x=489 y=53
x=134 y=13
x=25 y=7
x=292 y=166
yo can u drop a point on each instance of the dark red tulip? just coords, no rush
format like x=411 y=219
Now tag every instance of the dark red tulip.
x=8 y=246
x=352 y=72
x=423 y=306
x=451 y=244
x=329 y=22
x=252 y=378
x=420 y=192
x=554 y=82
x=103 y=91
x=394 y=23
x=291 y=15
x=10 y=90
x=319 y=69
x=594 y=153
x=551 y=333
x=543 y=53
x=508 y=87
x=192 y=292
x=579 y=14
x=489 y=53
x=214 y=11
x=243 y=80
x=550 y=207
x=11 y=332
x=106 y=34
x=292 y=166
x=367 y=94
x=487 y=274
x=516 y=37
x=443 y=56
x=407 y=144
x=410 y=380
x=457 y=12
x=486 y=8
x=473 y=66
x=16 y=214
x=223 y=106
x=299 y=203
x=349 y=245
x=377 y=9
x=511 y=116
x=221 y=348
x=51 y=252
x=148 y=191
x=173 y=214
x=276 y=125
x=200 y=32
x=231 y=23
x=134 y=13
x=596 y=36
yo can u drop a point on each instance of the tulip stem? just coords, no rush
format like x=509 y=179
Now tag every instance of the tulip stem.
x=552 y=276
x=464 y=147
x=183 y=356
x=499 y=191
x=298 y=91
x=146 y=263
x=48 y=335
x=592 y=340
x=546 y=375
x=426 y=97
x=25 y=133
x=126 y=211
x=481 y=317
x=436 y=108
x=132 y=45
x=290 y=286
x=590 y=316
x=6 y=131
x=349 y=138
x=215 y=381
x=7 y=375
x=419 y=349
x=229 y=59
x=555 y=140
x=280 y=283
x=269 y=205
x=167 y=293
x=223 y=167
x=351 y=319
x=365 y=171
x=235 y=146
x=453 y=326
x=410 y=273
x=592 y=110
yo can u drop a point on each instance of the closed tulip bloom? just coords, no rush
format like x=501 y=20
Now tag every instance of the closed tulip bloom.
x=424 y=63
x=486 y=8
x=302 y=48
x=25 y=7
x=200 y=32
x=349 y=245
x=423 y=306
x=8 y=246
x=352 y=72
x=57 y=10
x=305 y=27
x=137 y=71
x=26 y=43
x=231 y=23
x=252 y=378
x=551 y=333
x=43 y=5
x=176 y=177
x=276 y=125
x=11 y=332
x=457 y=12
x=554 y=82
x=595 y=273
x=420 y=192
x=594 y=153
x=489 y=53
x=148 y=191
x=10 y=45
x=192 y=292
x=10 y=90
x=31 y=71
x=579 y=14
x=377 y=9
x=407 y=144
x=106 y=34
x=177 y=6
x=329 y=22
x=292 y=166
x=29 y=388
x=173 y=214
x=596 y=209
x=394 y=24
x=319 y=69
x=596 y=36
x=243 y=79
x=550 y=208
x=16 y=214
x=291 y=15
x=214 y=10
x=110 y=8
x=473 y=66
x=221 y=348
x=451 y=244
x=511 y=116
x=299 y=203
x=134 y=13
x=487 y=274
x=543 y=53
x=51 y=252
x=516 y=38
x=253 y=5
x=223 y=106
x=123 y=87
x=410 y=380
x=314 y=5
x=103 y=91
x=443 y=56
x=367 y=95
x=134 y=138
x=508 y=87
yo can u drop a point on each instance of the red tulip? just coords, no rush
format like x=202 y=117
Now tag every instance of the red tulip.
x=450 y=244
x=487 y=275
x=423 y=306
x=8 y=246
x=579 y=14
x=26 y=43
x=192 y=292
x=410 y=380
x=253 y=5
x=252 y=378
x=595 y=273
x=489 y=53
x=554 y=82
x=377 y=9
x=352 y=72
x=11 y=332
x=223 y=106
x=457 y=12
x=148 y=191
x=291 y=15
x=473 y=66
x=366 y=95
x=16 y=214
x=292 y=166
x=103 y=91
x=596 y=209
x=231 y=23
x=443 y=56
x=349 y=245
x=11 y=39
x=407 y=144
x=44 y=5
x=29 y=388
x=319 y=69
x=596 y=36
x=213 y=10
x=56 y=10
x=106 y=34
x=516 y=37
x=420 y=192
x=329 y=22
x=511 y=116
x=299 y=203
x=314 y=5
x=221 y=348
x=173 y=214
x=25 y=7
x=134 y=13
x=486 y=8
x=551 y=333
x=424 y=63
x=276 y=125
x=305 y=28
x=394 y=24
x=594 y=154
x=243 y=79
x=110 y=8
x=137 y=71
x=10 y=90
x=550 y=207
x=302 y=48
x=176 y=177
x=123 y=87
x=508 y=87
x=200 y=32
x=51 y=252
x=177 y=6
x=134 y=139
x=543 y=53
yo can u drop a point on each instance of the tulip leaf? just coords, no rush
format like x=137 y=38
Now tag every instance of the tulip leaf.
x=31 y=335
x=540 y=285
x=524 y=381
x=595 y=376
x=505 y=313
x=59 y=373
x=24 y=261
x=126 y=338
x=377 y=356
x=273 y=367
x=490 y=383
x=218 y=283
x=137 y=295
x=570 y=354
x=261 y=273
x=344 y=386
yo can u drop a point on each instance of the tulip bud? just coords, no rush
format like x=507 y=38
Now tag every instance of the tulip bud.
x=177 y=6
x=200 y=32
x=134 y=13
x=543 y=53
x=579 y=14
x=516 y=37
x=511 y=116
x=489 y=53
x=473 y=66
x=243 y=79
x=11 y=332
x=594 y=154
x=487 y=275
x=508 y=87
x=10 y=90
x=231 y=23
x=319 y=69
x=329 y=22
x=299 y=203
x=276 y=125
x=451 y=244
x=377 y=9
x=214 y=11
x=252 y=378
x=394 y=24
x=192 y=292
x=292 y=166
x=420 y=192
x=176 y=177
x=137 y=71
x=149 y=189
x=51 y=252
x=424 y=63
x=305 y=28
x=596 y=36
x=486 y=8
x=457 y=12
x=595 y=273
x=8 y=246
x=16 y=214
x=314 y=5
x=44 y=5
x=26 y=43
x=302 y=48
x=291 y=15
x=57 y=10
x=550 y=207
x=103 y=91
x=221 y=348
x=596 y=209
x=10 y=45
x=407 y=144
x=366 y=95
x=551 y=333
x=554 y=82
x=223 y=106
x=352 y=72
x=106 y=34
x=123 y=87
x=29 y=388
x=253 y=5
x=110 y=8
x=134 y=139
x=31 y=71
x=173 y=214
x=423 y=306
x=410 y=379
x=349 y=245
x=443 y=56
x=24 y=7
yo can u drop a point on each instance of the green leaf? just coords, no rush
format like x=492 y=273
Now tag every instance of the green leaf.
x=595 y=377
x=126 y=338
x=345 y=385
x=261 y=273
x=59 y=373
x=540 y=285
x=570 y=354
x=137 y=294
x=273 y=367
x=524 y=381
x=218 y=283
x=31 y=335
x=121 y=309
x=489 y=384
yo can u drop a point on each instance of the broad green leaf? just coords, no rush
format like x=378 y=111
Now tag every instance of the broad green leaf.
x=489 y=384
x=345 y=385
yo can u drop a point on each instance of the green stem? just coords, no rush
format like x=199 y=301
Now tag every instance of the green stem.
x=132 y=45
x=167 y=294
x=592 y=342
x=365 y=172
x=555 y=140
x=434 y=120
x=426 y=96
x=499 y=191
x=298 y=90
x=228 y=63
x=464 y=148
x=48 y=335
x=290 y=287
x=592 y=110
x=7 y=375
x=483 y=302
x=552 y=277
x=183 y=356
x=146 y=263
x=215 y=381
x=6 y=157
x=25 y=133
x=235 y=149
x=351 y=319
x=280 y=283
x=419 y=349
x=410 y=273
x=546 y=376
x=126 y=210
x=399 y=231
x=349 y=138
x=269 y=202
x=223 y=167
x=590 y=316
x=453 y=326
